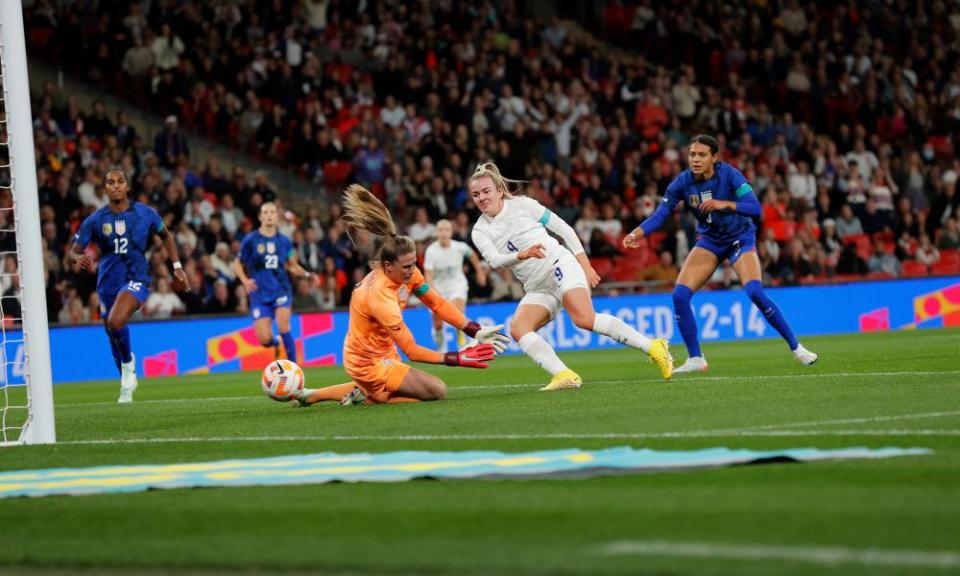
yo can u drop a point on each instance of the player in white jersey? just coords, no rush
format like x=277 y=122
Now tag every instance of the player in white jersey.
x=443 y=270
x=512 y=232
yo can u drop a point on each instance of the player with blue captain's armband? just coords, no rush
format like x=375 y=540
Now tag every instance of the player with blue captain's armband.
x=725 y=205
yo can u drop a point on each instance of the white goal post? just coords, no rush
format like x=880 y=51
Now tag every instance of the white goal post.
x=38 y=425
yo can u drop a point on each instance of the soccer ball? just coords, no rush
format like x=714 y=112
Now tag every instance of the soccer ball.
x=282 y=380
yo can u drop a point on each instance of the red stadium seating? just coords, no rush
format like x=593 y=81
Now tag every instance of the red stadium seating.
x=942 y=268
x=912 y=269
x=950 y=258
x=863 y=244
x=603 y=266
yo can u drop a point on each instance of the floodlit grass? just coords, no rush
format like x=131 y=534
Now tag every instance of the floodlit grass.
x=895 y=389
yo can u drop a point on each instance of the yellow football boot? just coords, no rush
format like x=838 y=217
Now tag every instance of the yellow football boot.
x=660 y=355
x=565 y=379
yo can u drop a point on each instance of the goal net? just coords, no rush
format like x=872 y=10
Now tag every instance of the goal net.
x=26 y=415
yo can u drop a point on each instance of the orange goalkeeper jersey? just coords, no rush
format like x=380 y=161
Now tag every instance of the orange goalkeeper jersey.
x=376 y=319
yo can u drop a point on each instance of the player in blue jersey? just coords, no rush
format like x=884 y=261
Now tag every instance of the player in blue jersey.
x=725 y=205
x=122 y=230
x=266 y=256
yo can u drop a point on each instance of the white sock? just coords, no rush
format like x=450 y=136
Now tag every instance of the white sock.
x=618 y=330
x=440 y=338
x=540 y=352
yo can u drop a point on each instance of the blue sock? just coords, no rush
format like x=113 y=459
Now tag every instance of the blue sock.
x=685 y=319
x=122 y=339
x=771 y=312
x=114 y=349
x=290 y=345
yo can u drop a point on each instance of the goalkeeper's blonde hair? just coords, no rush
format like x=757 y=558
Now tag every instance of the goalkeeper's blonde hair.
x=507 y=186
x=363 y=211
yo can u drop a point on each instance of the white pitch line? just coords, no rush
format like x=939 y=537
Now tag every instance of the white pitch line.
x=589 y=383
x=855 y=420
x=811 y=554
x=546 y=436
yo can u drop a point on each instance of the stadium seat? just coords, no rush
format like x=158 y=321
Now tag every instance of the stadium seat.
x=885 y=237
x=862 y=241
x=783 y=230
x=913 y=269
x=655 y=239
x=603 y=266
x=942 y=268
x=950 y=258
x=879 y=276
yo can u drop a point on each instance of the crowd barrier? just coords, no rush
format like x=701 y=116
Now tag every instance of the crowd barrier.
x=202 y=346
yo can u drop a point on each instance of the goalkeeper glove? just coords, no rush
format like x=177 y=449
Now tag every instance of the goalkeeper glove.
x=487 y=335
x=472 y=357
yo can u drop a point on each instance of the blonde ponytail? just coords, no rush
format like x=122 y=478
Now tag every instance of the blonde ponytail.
x=363 y=211
x=508 y=187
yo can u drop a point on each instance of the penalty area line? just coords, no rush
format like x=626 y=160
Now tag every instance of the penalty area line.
x=811 y=554
x=547 y=436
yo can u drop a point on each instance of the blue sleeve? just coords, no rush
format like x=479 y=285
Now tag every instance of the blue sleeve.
x=665 y=209
x=85 y=234
x=156 y=224
x=748 y=205
x=747 y=202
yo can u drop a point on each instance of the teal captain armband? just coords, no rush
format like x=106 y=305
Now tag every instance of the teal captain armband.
x=421 y=289
x=545 y=218
x=743 y=190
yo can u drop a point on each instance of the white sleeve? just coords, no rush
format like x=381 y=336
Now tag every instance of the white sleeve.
x=529 y=207
x=569 y=236
x=428 y=258
x=465 y=249
x=490 y=253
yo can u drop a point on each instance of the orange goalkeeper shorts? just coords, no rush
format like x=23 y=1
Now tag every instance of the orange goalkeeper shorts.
x=379 y=378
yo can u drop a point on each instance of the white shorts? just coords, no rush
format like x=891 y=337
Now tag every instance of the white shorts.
x=451 y=293
x=565 y=275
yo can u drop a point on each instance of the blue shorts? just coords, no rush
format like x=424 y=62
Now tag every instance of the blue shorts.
x=267 y=309
x=746 y=242
x=140 y=291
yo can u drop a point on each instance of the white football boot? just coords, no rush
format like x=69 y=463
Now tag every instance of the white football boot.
x=693 y=364
x=804 y=356
x=128 y=380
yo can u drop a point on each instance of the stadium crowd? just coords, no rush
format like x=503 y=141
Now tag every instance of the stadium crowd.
x=842 y=116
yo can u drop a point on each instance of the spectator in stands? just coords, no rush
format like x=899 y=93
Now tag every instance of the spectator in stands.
x=949 y=236
x=171 y=145
x=927 y=253
x=221 y=301
x=586 y=116
x=851 y=262
x=882 y=261
x=422 y=230
x=848 y=224
x=663 y=271
x=164 y=302
x=304 y=298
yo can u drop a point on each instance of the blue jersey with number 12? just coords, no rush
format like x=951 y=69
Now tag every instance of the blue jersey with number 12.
x=123 y=239
x=265 y=259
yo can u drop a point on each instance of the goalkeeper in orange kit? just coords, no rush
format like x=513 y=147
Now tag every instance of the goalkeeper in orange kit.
x=376 y=323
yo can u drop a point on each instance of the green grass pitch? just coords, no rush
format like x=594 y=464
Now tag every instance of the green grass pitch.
x=896 y=516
